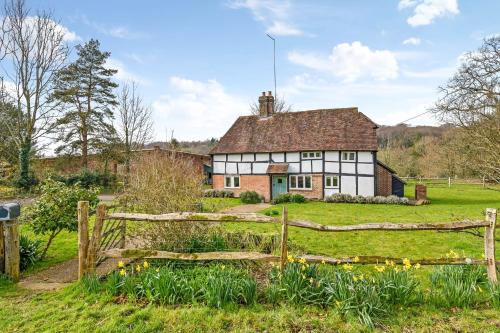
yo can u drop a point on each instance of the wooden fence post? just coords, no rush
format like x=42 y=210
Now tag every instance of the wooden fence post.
x=11 y=245
x=96 y=237
x=489 y=244
x=2 y=250
x=284 y=239
x=123 y=232
x=484 y=182
x=83 y=237
x=449 y=182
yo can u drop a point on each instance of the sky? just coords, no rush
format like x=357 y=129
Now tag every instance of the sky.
x=200 y=64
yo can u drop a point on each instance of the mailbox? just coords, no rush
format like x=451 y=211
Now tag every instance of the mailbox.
x=9 y=211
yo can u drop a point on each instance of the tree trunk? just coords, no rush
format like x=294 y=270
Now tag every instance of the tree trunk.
x=85 y=149
x=51 y=238
x=24 y=164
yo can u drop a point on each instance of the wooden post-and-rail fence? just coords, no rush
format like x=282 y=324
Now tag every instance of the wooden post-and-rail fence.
x=88 y=253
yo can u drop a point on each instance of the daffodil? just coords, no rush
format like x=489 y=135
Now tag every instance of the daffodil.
x=145 y=264
x=323 y=262
x=121 y=264
x=123 y=272
x=355 y=278
x=380 y=269
x=223 y=267
x=311 y=280
x=137 y=268
x=157 y=270
x=302 y=260
x=406 y=262
x=361 y=277
x=417 y=266
x=356 y=259
x=290 y=259
x=347 y=267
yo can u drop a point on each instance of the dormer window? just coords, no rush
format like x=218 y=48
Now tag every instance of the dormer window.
x=309 y=155
x=348 y=156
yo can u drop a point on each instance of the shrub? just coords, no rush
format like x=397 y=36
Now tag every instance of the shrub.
x=297 y=198
x=288 y=197
x=347 y=198
x=250 y=197
x=55 y=209
x=29 y=251
x=88 y=178
x=272 y=212
x=457 y=286
x=213 y=193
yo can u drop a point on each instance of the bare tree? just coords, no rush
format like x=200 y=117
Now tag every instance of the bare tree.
x=471 y=101
x=280 y=106
x=34 y=49
x=135 y=124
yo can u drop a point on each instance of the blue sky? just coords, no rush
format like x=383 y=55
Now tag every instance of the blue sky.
x=201 y=63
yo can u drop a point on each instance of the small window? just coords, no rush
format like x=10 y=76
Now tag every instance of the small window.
x=348 y=156
x=311 y=155
x=300 y=182
x=232 y=182
x=331 y=181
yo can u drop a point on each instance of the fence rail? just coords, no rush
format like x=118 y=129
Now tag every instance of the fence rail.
x=96 y=248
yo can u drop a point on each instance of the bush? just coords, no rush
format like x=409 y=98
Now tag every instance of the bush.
x=55 y=209
x=212 y=193
x=250 y=197
x=347 y=198
x=29 y=251
x=88 y=178
x=288 y=197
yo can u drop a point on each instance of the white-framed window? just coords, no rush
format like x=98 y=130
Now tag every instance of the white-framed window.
x=300 y=182
x=348 y=156
x=311 y=155
x=232 y=181
x=331 y=181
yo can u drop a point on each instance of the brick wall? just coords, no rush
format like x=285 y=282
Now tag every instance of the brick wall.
x=257 y=183
x=384 y=181
x=317 y=188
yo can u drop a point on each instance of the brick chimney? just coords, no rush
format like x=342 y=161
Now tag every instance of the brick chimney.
x=266 y=104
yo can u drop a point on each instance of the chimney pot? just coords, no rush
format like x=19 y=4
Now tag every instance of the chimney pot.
x=266 y=104
x=269 y=93
x=263 y=93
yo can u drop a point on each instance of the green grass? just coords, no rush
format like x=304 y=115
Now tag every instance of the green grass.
x=458 y=203
x=73 y=310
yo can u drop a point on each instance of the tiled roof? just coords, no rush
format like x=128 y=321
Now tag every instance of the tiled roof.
x=277 y=168
x=325 y=129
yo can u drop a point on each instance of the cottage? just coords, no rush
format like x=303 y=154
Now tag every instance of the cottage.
x=315 y=153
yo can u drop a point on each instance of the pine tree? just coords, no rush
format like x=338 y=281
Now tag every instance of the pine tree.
x=86 y=89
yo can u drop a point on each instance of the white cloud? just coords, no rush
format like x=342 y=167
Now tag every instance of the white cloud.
x=123 y=74
x=351 y=62
x=412 y=41
x=426 y=11
x=121 y=32
x=275 y=15
x=68 y=35
x=197 y=110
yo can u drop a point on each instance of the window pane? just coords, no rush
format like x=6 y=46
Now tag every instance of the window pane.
x=335 y=181
x=308 y=181
x=228 y=181
x=236 y=181
x=328 y=181
x=293 y=181
x=304 y=155
x=344 y=156
x=300 y=181
x=318 y=154
x=352 y=156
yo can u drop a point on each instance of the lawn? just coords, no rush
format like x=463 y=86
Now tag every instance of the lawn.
x=71 y=309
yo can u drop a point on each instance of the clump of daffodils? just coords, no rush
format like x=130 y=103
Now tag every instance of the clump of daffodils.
x=347 y=267
x=290 y=259
x=406 y=263
x=145 y=264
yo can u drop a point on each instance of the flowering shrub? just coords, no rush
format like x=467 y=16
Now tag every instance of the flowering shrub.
x=347 y=198
x=251 y=197
x=212 y=193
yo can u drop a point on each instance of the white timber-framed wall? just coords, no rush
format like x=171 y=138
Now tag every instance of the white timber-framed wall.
x=355 y=175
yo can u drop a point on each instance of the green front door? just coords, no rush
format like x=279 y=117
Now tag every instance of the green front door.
x=279 y=185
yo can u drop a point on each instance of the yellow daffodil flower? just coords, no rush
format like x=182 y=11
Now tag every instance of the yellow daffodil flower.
x=138 y=268
x=123 y=272
x=157 y=270
x=380 y=269
x=417 y=266
x=347 y=267
x=406 y=262
x=121 y=264
x=323 y=262
x=145 y=264
x=356 y=259
x=355 y=278
x=302 y=260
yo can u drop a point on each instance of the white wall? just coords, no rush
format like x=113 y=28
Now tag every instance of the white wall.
x=365 y=169
x=366 y=186
x=348 y=184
